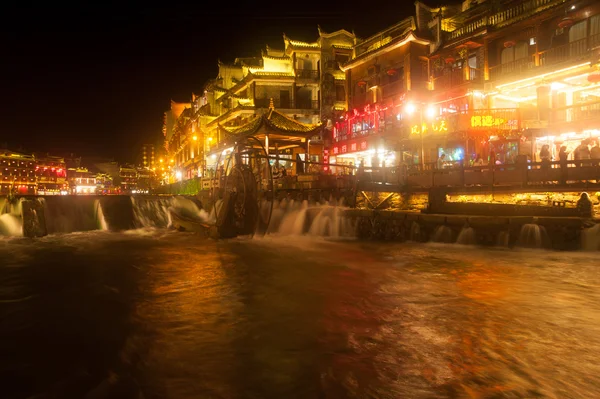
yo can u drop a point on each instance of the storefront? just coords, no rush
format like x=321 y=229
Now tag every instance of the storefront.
x=367 y=151
x=571 y=140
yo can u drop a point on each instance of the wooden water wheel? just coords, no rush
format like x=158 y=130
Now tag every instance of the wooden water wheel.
x=243 y=195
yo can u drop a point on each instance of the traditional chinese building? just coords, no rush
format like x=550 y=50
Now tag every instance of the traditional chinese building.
x=286 y=138
x=51 y=173
x=385 y=72
x=302 y=80
x=510 y=76
x=18 y=173
x=81 y=181
x=128 y=177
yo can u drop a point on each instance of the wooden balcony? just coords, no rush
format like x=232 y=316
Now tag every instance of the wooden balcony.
x=584 y=112
x=392 y=89
x=568 y=52
x=457 y=77
x=515 y=68
x=577 y=51
x=289 y=104
x=307 y=74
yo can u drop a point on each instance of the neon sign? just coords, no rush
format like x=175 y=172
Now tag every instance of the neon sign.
x=489 y=121
x=437 y=127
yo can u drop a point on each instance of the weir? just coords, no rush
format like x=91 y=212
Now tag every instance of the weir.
x=39 y=216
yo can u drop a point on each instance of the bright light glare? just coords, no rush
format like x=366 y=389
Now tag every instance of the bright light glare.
x=195 y=138
x=178 y=175
x=430 y=111
x=410 y=108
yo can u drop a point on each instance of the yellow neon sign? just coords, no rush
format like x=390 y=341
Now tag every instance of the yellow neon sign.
x=437 y=127
x=486 y=121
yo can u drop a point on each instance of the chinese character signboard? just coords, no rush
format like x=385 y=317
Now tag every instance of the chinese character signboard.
x=432 y=127
x=503 y=119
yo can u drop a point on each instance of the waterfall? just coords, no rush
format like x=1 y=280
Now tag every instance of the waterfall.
x=467 y=236
x=532 y=236
x=11 y=222
x=415 y=232
x=151 y=212
x=590 y=238
x=100 y=217
x=443 y=234
x=315 y=219
x=503 y=239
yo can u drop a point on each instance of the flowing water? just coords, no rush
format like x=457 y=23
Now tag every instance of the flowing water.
x=153 y=313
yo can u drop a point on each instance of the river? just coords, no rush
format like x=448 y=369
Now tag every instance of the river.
x=153 y=313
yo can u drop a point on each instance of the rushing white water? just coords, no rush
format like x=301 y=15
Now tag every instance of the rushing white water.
x=11 y=222
x=590 y=238
x=443 y=234
x=503 y=239
x=295 y=218
x=415 y=232
x=100 y=216
x=467 y=236
x=532 y=236
x=156 y=212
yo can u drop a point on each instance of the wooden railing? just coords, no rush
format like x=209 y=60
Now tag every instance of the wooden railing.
x=515 y=67
x=311 y=74
x=392 y=89
x=513 y=175
x=287 y=104
x=566 y=52
x=575 y=113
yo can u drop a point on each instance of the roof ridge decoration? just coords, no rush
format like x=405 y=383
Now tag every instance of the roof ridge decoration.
x=283 y=122
x=299 y=43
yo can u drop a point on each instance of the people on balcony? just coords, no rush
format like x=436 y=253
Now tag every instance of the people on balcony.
x=595 y=154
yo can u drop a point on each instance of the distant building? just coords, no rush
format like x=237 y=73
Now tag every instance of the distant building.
x=81 y=181
x=51 y=173
x=105 y=184
x=129 y=178
x=18 y=173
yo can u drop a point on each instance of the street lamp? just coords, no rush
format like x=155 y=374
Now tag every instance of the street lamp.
x=430 y=112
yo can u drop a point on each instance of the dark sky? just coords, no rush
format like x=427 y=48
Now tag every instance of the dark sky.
x=96 y=79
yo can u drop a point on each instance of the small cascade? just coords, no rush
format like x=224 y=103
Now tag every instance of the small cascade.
x=151 y=212
x=188 y=208
x=532 y=236
x=314 y=219
x=293 y=222
x=102 y=225
x=467 y=236
x=11 y=221
x=443 y=234
x=590 y=238
x=415 y=232
x=503 y=239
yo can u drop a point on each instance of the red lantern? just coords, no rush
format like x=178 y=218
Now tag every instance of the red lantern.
x=391 y=71
x=594 y=77
x=450 y=59
x=566 y=22
x=362 y=83
x=509 y=43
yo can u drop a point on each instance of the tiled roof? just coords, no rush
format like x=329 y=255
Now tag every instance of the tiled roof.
x=275 y=74
x=300 y=44
x=286 y=124
x=274 y=120
x=248 y=129
x=342 y=47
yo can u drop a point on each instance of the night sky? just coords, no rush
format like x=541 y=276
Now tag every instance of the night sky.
x=96 y=81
